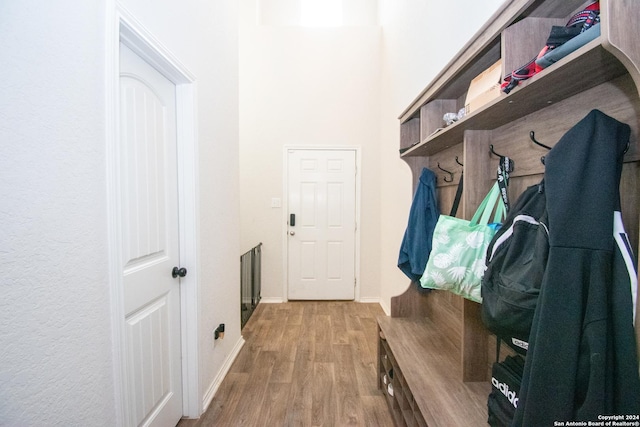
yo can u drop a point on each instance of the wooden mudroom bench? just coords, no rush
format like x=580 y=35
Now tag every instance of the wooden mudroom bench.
x=412 y=349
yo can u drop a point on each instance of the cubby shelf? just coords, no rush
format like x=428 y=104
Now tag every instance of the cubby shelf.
x=592 y=63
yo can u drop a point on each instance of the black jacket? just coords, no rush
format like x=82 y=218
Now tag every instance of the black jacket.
x=582 y=360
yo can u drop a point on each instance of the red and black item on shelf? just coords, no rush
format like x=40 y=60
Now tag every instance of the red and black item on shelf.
x=579 y=23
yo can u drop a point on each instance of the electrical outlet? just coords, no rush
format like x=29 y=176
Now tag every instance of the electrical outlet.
x=219 y=332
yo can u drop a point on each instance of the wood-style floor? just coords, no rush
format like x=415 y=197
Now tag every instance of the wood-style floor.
x=303 y=364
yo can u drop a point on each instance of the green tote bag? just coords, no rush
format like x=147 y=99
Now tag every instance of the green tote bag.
x=457 y=259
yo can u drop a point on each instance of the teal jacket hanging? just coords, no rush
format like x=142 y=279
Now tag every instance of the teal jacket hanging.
x=424 y=213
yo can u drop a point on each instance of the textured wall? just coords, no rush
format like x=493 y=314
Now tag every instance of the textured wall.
x=56 y=366
x=55 y=338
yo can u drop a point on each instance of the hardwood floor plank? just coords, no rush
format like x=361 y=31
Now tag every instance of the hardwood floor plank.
x=223 y=406
x=339 y=333
x=322 y=394
x=273 y=410
x=300 y=396
x=303 y=364
x=322 y=338
x=255 y=390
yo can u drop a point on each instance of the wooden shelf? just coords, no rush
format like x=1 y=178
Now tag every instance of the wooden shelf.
x=427 y=370
x=587 y=67
x=484 y=49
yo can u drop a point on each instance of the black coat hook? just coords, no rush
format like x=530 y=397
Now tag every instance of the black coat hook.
x=458 y=162
x=450 y=174
x=493 y=152
x=532 y=135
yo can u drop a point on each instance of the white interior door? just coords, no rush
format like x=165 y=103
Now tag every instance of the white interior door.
x=148 y=176
x=321 y=240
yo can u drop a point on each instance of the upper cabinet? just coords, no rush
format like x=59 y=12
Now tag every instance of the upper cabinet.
x=513 y=36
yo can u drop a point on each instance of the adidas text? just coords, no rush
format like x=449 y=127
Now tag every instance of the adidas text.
x=520 y=343
x=504 y=389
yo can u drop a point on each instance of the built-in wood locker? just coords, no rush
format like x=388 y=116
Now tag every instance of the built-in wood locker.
x=435 y=343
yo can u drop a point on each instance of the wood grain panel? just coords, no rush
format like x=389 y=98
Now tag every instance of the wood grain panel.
x=432 y=113
x=474 y=343
x=523 y=40
x=444 y=311
x=616 y=98
x=410 y=303
x=630 y=202
x=478 y=163
x=621 y=33
x=410 y=132
x=557 y=8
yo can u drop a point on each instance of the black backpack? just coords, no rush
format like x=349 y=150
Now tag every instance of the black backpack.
x=516 y=260
x=506 y=378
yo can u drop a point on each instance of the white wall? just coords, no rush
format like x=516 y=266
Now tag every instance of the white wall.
x=55 y=339
x=419 y=39
x=305 y=86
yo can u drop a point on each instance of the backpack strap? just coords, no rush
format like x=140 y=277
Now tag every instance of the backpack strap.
x=505 y=167
x=456 y=201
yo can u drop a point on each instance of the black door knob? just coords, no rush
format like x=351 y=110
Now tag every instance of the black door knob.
x=178 y=272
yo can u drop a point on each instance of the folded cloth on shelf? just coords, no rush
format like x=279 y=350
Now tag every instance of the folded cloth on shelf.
x=554 y=55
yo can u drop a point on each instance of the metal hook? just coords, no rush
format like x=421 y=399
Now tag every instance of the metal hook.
x=458 y=162
x=626 y=149
x=532 y=135
x=493 y=152
x=450 y=174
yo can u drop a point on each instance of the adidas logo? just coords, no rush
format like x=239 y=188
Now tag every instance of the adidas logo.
x=504 y=389
x=520 y=343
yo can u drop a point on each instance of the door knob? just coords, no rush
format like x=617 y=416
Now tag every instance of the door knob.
x=178 y=272
x=293 y=233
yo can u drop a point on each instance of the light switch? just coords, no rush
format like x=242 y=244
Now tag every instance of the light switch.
x=276 y=202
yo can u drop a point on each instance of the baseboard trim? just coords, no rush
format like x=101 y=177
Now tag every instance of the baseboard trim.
x=278 y=300
x=213 y=388
x=370 y=300
x=385 y=307
x=271 y=300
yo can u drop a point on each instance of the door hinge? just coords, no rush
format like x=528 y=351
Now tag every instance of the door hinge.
x=355 y=282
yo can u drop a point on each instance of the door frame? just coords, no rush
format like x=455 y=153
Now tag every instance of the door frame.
x=285 y=211
x=123 y=27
